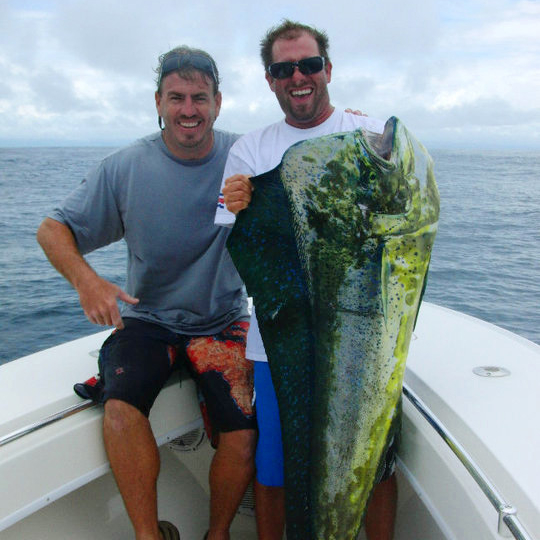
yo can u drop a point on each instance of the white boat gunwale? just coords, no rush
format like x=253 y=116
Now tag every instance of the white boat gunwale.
x=419 y=388
x=509 y=523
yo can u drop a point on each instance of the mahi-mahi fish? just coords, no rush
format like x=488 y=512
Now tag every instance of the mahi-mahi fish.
x=334 y=249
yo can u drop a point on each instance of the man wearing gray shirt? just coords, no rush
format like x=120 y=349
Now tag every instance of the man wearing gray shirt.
x=183 y=295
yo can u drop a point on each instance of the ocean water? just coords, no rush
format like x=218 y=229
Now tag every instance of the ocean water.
x=486 y=260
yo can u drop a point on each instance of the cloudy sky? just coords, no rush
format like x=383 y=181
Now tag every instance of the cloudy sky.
x=459 y=73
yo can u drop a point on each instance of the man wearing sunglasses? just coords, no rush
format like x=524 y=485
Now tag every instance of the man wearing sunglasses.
x=298 y=70
x=185 y=303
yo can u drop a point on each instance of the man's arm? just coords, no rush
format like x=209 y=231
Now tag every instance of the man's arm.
x=237 y=192
x=97 y=296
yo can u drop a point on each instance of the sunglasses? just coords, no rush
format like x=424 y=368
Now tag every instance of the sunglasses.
x=306 y=66
x=176 y=62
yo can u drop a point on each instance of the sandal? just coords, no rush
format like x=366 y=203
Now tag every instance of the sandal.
x=168 y=531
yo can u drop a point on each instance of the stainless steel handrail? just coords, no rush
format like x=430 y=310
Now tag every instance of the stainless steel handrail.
x=507 y=513
x=87 y=403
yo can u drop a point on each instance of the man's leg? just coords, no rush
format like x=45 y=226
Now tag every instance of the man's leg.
x=134 y=460
x=218 y=364
x=269 y=511
x=134 y=364
x=381 y=513
x=231 y=472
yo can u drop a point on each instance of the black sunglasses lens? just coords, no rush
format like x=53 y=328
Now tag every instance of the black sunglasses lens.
x=308 y=66
x=281 y=70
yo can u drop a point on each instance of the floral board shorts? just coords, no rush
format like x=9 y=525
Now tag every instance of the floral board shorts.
x=135 y=363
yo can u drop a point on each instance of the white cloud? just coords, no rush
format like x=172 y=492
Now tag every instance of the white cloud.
x=460 y=72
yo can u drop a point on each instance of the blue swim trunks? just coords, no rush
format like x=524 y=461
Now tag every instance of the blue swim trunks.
x=269 y=453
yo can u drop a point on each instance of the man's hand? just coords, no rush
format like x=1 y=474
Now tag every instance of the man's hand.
x=98 y=299
x=357 y=112
x=237 y=192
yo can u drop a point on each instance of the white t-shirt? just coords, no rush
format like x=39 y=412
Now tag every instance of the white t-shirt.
x=261 y=151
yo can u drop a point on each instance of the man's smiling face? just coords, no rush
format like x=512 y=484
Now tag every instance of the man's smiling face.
x=303 y=98
x=189 y=109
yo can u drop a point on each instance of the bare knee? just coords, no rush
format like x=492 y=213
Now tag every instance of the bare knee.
x=239 y=445
x=120 y=417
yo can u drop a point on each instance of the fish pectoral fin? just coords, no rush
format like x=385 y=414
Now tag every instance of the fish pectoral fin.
x=275 y=312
